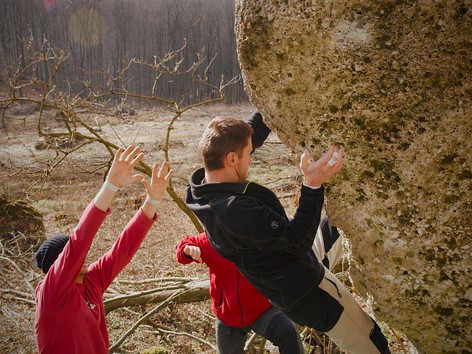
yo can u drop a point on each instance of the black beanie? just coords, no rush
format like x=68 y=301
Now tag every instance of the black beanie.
x=50 y=250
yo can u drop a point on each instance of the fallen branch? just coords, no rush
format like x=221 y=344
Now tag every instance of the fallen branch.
x=193 y=291
x=155 y=280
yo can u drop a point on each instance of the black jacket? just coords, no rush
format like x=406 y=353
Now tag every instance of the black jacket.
x=246 y=224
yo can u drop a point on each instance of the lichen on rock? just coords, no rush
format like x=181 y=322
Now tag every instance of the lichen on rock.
x=391 y=81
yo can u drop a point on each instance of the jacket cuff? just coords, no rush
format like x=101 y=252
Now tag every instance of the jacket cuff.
x=312 y=190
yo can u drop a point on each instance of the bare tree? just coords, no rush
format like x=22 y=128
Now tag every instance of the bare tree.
x=87 y=102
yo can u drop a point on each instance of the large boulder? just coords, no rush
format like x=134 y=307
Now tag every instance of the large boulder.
x=392 y=82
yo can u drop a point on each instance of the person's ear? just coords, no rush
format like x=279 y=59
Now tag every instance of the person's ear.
x=231 y=159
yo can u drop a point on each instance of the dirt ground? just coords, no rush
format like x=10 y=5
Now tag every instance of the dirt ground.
x=62 y=196
x=62 y=193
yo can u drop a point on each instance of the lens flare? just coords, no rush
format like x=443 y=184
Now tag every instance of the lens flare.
x=87 y=27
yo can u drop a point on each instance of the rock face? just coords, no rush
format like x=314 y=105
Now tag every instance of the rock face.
x=392 y=82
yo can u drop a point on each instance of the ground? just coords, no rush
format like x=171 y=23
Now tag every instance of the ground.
x=62 y=194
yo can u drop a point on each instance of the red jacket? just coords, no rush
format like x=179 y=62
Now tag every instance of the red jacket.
x=235 y=301
x=70 y=317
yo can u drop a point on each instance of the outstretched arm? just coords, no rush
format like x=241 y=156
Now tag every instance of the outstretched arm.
x=119 y=175
x=66 y=268
x=112 y=263
x=298 y=233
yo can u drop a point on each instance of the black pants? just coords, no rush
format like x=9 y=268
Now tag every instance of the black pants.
x=272 y=324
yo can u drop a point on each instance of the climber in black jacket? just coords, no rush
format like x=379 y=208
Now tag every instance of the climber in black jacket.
x=246 y=224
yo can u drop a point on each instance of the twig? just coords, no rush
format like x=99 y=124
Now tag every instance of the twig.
x=14 y=265
x=16 y=292
x=133 y=328
x=399 y=339
x=251 y=340
x=161 y=330
x=282 y=178
x=206 y=315
x=29 y=301
x=28 y=284
x=8 y=314
x=262 y=345
x=154 y=280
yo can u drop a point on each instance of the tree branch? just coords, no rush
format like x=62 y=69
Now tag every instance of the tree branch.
x=193 y=291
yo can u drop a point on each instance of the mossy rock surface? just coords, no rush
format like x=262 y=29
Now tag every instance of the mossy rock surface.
x=392 y=82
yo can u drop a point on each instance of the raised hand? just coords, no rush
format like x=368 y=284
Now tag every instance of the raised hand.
x=318 y=172
x=124 y=161
x=119 y=175
x=159 y=181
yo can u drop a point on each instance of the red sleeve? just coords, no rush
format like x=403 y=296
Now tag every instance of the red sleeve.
x=190 y=240
x=63 y=273
x=105 y=270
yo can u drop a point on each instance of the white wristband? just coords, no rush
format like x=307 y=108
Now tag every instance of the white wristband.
x=151 y=201
x=110 y=186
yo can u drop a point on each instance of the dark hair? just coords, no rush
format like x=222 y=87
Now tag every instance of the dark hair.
x=222 y=136
x=50 y=250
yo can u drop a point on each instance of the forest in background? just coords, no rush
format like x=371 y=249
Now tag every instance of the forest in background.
x=103 y=36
